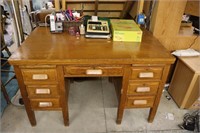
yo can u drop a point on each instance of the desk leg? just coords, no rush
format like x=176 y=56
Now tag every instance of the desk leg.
x=63 y=94
x=122 y=99
x=65 y=109
x=29 y=111
x=152 y=115
x=153 y=110
x=120 y=113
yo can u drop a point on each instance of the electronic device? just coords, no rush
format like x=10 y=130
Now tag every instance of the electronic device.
x=195 y=23
x=55 y=26
x=97 y=29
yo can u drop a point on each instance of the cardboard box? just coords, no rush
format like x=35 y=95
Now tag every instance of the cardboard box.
x=125 y=30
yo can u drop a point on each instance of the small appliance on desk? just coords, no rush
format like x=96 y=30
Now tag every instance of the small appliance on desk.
x=55 y=26
x=97 y=29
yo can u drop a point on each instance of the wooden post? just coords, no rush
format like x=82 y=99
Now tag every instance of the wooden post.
x=96 y=7
x=140 y=6
x=57 y=5
x=165 y=25
x=17 y=16
x=64 y=4
x=127 y=7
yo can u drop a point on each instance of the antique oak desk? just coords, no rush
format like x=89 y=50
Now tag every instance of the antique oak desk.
x=44 y=61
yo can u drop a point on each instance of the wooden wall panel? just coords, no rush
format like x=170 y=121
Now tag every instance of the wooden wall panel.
x=165 y=25
x=133 y=10
x=168 y=17
x=78 y=6
x=111 y=6
x=180 y=42
x=192 y=7
x=109 y=14
x=146 y=7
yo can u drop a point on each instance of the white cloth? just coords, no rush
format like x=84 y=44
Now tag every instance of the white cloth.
x=187 y=52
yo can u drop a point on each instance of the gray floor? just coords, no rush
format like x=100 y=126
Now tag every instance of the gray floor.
x=93 y=109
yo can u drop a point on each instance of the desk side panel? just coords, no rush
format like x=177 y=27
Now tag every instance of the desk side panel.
x=195 y=94
x=180 y=82
x=24 y=93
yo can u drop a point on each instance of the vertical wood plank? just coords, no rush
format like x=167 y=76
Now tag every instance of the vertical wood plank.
x=57 y=5
x=63 y=95
x=189 y=90
x=133 y=10
x=167 y=19
x=165 y=25
x=123 y=11
x=96 y=7
x=18 y=19
x=192 y=7
x=153 y=110
x=146 y=7
x=124 y=88
x=63 y=4
x=126 y=9
x=140 y=6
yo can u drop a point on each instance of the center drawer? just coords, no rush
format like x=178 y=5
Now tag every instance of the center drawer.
x=74 y=71
x=37 y=91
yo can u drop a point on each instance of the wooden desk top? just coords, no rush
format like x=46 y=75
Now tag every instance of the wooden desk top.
x=42 y=47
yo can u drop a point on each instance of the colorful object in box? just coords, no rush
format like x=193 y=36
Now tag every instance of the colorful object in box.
x=125 y=30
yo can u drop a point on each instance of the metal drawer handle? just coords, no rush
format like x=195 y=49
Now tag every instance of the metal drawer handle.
x=45 y=104
x=143 y=89
x=140 y=102
x=40 y=76
x=42 y=91
x=98 y=72
x=146 y=75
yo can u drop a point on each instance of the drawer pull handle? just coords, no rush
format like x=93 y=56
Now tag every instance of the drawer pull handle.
x=40 y=76
x=96 y=72
x=42 y=91
x=45 y=104
x=140 y=102
x=146 y=75
x=143 y=89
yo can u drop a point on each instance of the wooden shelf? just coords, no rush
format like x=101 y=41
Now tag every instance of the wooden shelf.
x=101 y=8
x=186 y=31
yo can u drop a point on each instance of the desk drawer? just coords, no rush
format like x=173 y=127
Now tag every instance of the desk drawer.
x=142 y=88
x=45 y=104
x=140 y=102
x=39 y=75
x=93 y=71
x=146 y=72
x=35 y=91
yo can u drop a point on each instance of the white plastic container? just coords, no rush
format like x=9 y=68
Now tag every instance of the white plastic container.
x=82 y=29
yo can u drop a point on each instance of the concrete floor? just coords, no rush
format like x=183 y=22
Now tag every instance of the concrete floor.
x=93 y=109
